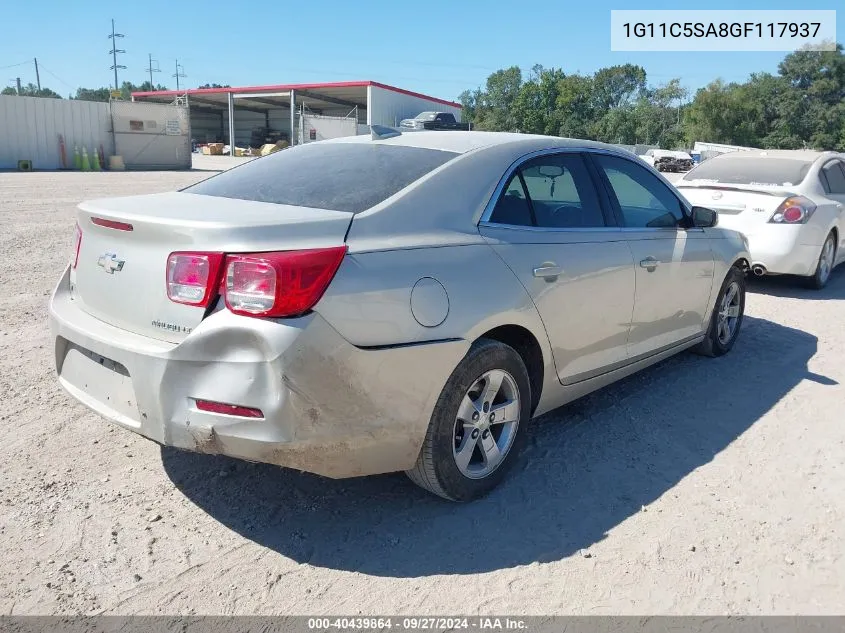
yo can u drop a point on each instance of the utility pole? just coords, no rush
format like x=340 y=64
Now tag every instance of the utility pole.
x=152 y=70
x=37 y=74
x=178 y=74
x=114 y=51
x=18 y=84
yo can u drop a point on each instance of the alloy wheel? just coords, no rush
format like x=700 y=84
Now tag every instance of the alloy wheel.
x=486 y=424
x=728 y=314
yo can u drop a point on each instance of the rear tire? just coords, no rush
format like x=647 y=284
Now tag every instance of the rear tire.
x=824 y=264
x=726 y=320
x=466 y=453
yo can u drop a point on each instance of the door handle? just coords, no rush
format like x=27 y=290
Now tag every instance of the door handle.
x=548 y=271
x=650 y=263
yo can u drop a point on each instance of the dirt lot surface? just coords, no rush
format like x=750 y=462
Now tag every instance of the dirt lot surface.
x=699 y=486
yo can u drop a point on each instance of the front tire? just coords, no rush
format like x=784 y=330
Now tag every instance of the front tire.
x=824 y=265
x=476 y=428
x=726 y=320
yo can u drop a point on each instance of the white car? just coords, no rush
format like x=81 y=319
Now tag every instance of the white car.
x=789 y=204
x=668 y=160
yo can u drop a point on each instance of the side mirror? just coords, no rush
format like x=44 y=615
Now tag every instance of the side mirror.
x=704 y=218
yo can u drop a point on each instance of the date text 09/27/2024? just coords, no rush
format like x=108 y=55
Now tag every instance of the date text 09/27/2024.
x=417 y=623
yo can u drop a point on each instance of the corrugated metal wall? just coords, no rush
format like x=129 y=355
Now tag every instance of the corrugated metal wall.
x=388 y=107
x=152 y=135
x=206 y=128
x=30 y=129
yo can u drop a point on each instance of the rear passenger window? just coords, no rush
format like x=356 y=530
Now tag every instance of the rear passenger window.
x=835 y=177
x=558 y=193
x=512 y=208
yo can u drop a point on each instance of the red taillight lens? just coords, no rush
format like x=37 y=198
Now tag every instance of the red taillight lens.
x=793 y=214
x=794 y=210
x=280 y=284
x=228 y=409
x=77 y=244
x=192 y=277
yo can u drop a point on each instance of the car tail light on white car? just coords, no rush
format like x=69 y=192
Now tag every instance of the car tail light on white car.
x=192 y=277
x=794 y=210
x=276 y=284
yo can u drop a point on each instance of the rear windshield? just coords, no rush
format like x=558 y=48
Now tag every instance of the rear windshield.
x=338 y=176
x=760 y=170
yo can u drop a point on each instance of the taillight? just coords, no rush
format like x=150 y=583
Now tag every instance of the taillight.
x=77 y=244
x=281 y=284
x=192 y=277
x=794 y=210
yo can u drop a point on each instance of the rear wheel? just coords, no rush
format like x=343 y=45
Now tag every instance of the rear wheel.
x=825 y=264
x=726 y=319
x=475 y=430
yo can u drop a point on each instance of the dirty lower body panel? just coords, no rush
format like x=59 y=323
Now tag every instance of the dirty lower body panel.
x=327 y=406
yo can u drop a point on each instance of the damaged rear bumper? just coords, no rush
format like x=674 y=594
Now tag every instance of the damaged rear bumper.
x=328 y=406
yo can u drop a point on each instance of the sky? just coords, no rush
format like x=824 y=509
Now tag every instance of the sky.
x=434 y=47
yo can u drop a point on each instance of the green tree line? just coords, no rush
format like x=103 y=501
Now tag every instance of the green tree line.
x=93 y=94
x=803 y=105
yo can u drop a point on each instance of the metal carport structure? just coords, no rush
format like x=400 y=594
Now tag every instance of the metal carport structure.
x=373 y=102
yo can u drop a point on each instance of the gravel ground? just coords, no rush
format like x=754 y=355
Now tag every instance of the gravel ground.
x=696 y=487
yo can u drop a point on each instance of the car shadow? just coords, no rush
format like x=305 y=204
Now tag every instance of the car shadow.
x=791 y=287
x=586 y=468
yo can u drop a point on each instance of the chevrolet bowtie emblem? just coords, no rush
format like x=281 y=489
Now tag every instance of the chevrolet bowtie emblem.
x=110 y=263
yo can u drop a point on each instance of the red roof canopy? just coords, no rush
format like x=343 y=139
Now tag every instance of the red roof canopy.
x=286 y=87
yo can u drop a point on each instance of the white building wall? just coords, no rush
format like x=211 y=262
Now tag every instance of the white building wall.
x=152 y=135
x=30 y=129
x=388 y=107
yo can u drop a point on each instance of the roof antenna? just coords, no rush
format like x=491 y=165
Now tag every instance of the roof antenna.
x=378 y=132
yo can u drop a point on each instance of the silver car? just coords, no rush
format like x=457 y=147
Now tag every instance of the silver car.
x=368 y=304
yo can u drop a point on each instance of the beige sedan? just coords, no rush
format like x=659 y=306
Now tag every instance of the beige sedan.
x=389 y=302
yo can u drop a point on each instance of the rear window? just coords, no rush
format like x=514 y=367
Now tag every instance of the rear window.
x=348 y=177
x=760 y=170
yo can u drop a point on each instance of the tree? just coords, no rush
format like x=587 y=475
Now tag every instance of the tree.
x=214 y=86
x=31 y=90
x=93 y=94
x=618 y=86
x=803 y=105
x=494 y=109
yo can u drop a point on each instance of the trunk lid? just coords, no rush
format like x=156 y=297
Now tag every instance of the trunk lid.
x=120 y=277
x=743 y=208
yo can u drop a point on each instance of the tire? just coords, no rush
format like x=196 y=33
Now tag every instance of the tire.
x=714 y=343
x=437 y=469
x=822 y=273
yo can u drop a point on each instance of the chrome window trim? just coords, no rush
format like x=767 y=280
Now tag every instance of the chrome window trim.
x=543 y=229
x=503 y=181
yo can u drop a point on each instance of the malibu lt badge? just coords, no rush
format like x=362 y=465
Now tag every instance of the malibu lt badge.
x=110 y=263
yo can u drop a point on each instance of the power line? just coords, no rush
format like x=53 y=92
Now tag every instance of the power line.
x=114 y=51
x=56 y=77
x=15 y=65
